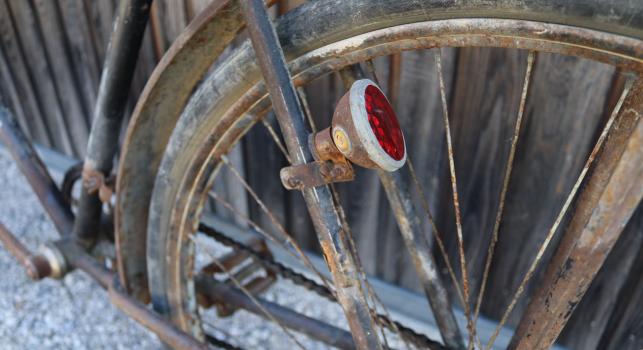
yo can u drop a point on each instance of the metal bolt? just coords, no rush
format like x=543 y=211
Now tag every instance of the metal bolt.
x=341 y=140
x=294 y=183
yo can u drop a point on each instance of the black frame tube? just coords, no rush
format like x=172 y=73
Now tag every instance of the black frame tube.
x=334 y=241
x=396 y=186
x=116 y=79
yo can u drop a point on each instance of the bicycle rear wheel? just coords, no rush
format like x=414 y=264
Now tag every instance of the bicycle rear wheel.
x=231 y=100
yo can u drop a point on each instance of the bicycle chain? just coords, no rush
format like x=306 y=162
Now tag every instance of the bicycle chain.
x=301 y=280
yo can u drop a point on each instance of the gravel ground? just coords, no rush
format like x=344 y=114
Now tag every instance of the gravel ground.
x=74 y=313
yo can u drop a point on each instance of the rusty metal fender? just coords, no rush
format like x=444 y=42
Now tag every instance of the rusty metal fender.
x=153 y=120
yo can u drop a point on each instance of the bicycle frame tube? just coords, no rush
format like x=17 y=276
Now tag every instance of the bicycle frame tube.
x=35 y=172
x=333 y=238
x=118 y=70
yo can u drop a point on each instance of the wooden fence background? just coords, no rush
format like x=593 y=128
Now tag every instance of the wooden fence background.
x=51 y=54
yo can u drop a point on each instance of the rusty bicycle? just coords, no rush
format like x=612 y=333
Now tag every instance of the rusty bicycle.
x=235 y=69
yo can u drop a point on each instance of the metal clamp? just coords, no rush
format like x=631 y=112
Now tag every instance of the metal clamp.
x=330 y=165
x=95 y=181
x=314 y=174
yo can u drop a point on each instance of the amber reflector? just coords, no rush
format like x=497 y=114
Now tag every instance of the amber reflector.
x=384 y=122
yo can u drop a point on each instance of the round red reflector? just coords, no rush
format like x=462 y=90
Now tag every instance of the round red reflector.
x=384 y=122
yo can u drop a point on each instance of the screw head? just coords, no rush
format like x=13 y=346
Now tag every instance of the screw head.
x=340 y=137
x=294 y=183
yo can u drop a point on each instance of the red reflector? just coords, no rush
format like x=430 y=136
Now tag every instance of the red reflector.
x=384 y=123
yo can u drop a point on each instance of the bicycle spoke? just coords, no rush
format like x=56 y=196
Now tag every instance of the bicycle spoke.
x=276 y=138
x=304 y=105
x=568 y=201
x=287 y=239
x=370 y=67
x=505 y=184
x=456 y=203
x=434 y=228
x=249 y=295
x=284 y=244
x=394 y=76
x=608 y=199
x=417 y=244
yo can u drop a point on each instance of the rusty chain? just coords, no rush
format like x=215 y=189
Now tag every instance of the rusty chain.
x=299 y=279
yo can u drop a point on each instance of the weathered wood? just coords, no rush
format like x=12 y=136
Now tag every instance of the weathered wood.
x=483 y=112
x=9 y=96
x=83 y=57
x=100 y=15
x=66 y=82
x=563 y=112
x=146 y=62
x=27 y=32
x=17 y=76
x=173 y=18
x=420 y=116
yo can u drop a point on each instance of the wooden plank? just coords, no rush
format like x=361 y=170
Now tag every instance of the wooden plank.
x=564 y=110
x=29 y=38
x=483 y=114
x=9 y=96
x=173 y=18
x=86 y=65
x=144 y=67
x=66 y=83
x=420 y=115
x=17 y=71
x=100 y=15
